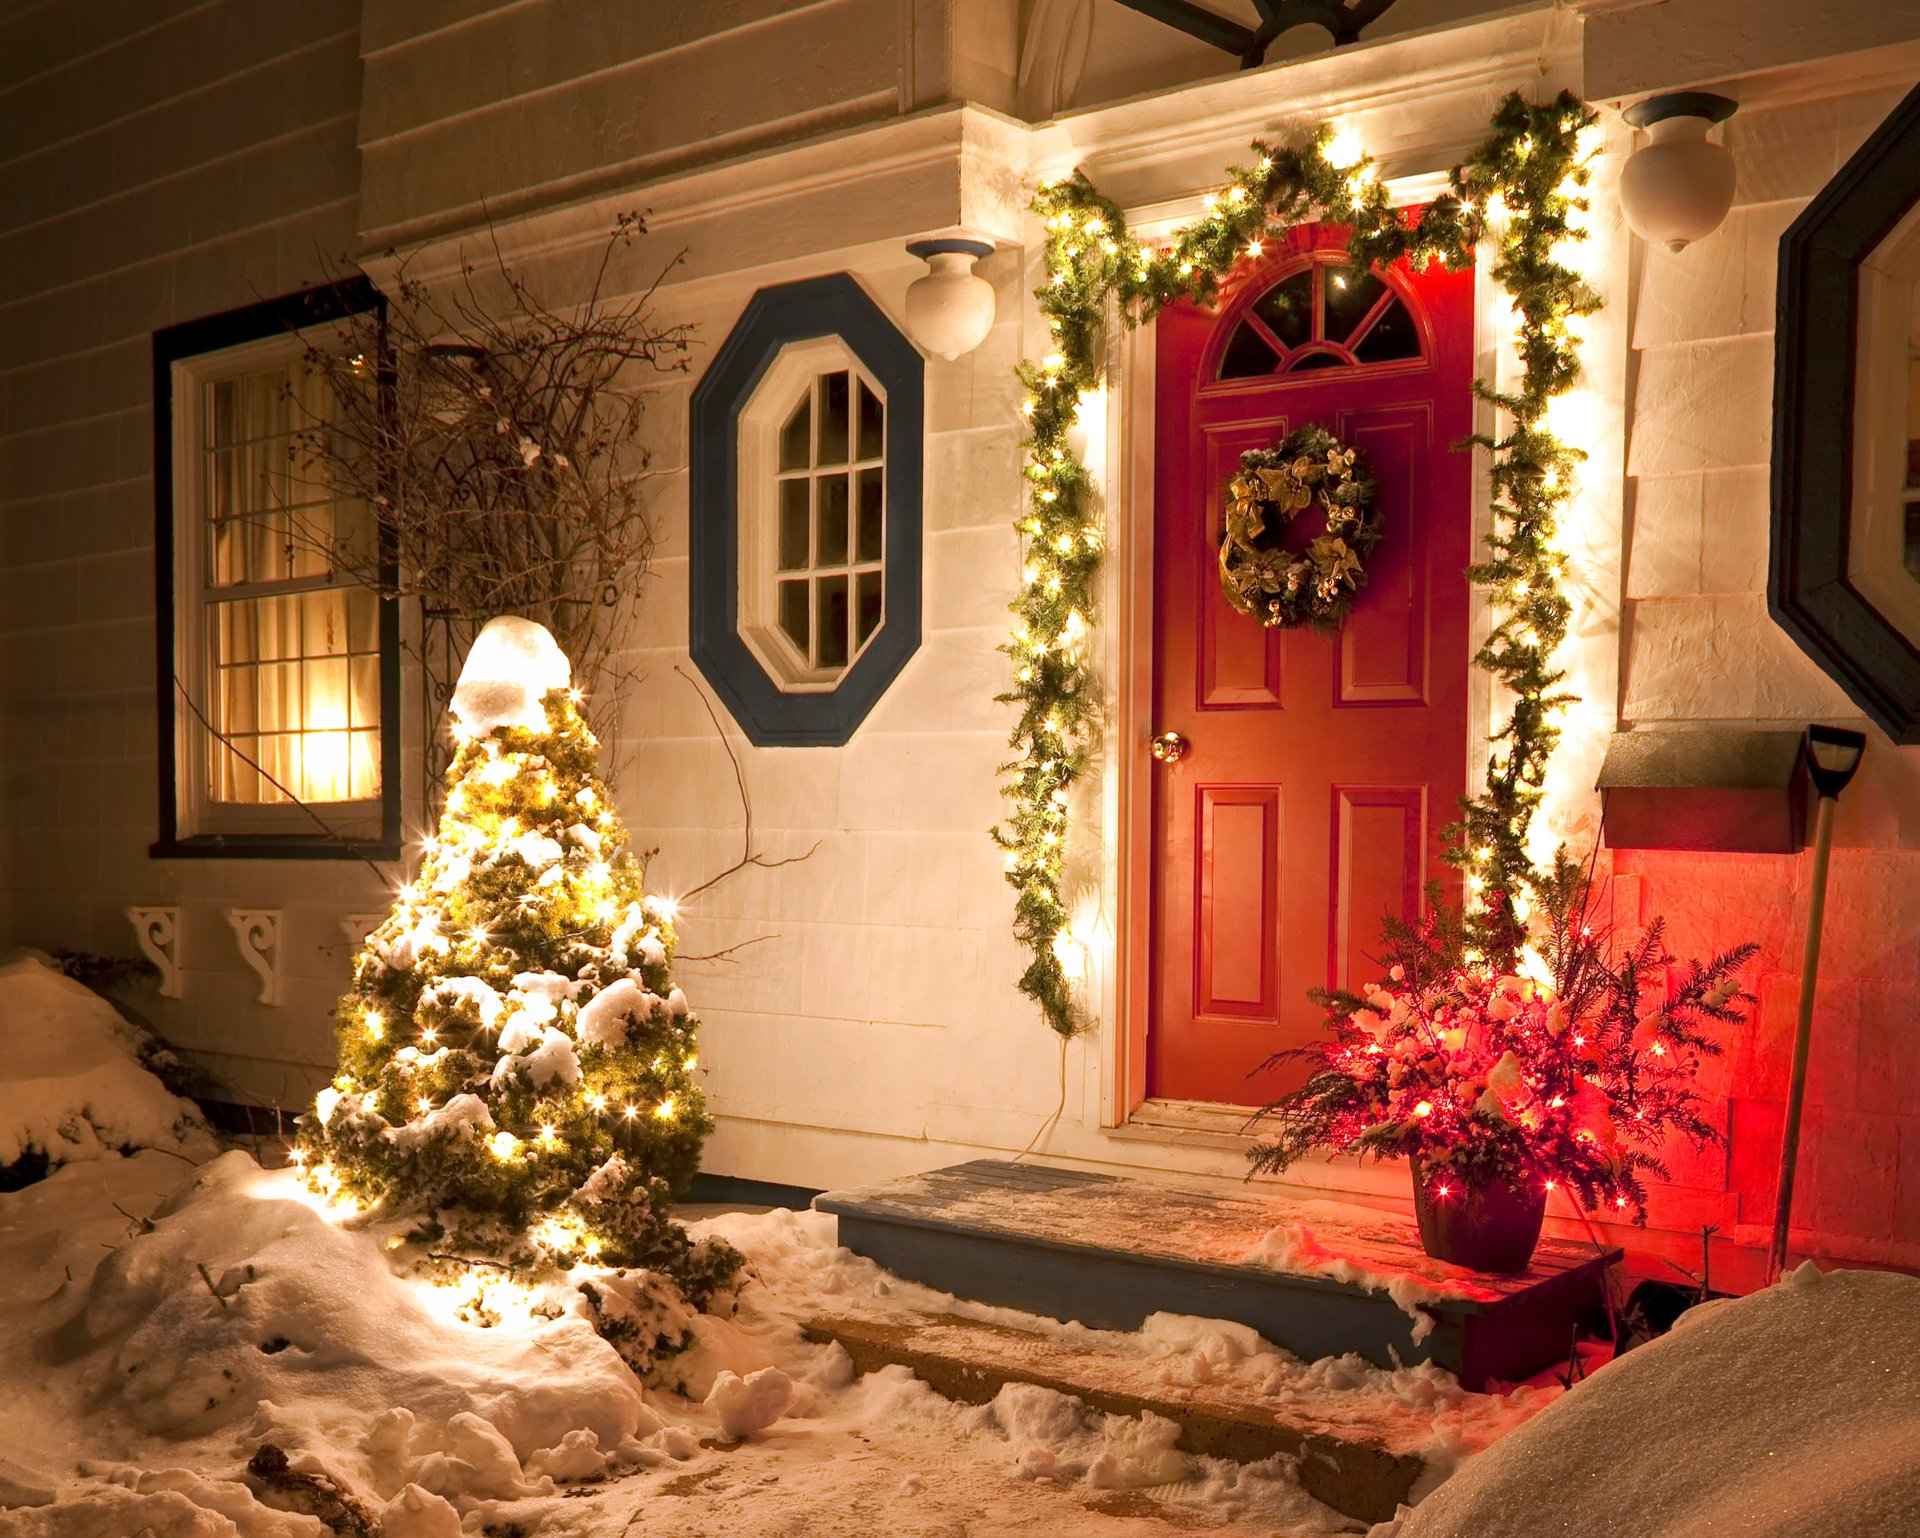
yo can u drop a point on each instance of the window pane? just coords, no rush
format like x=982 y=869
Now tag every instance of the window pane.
x=1391 y=336
x=869 y=542
x=363 y=621
x=1314 y=360
x=1350 y=294
x=867 y=592
x=283 y=681
x=1913 y=422
x=323 y=623
x=793 y=615
x=793 y=524
x=831 y=597
x=873 y=435
x=833 y=419
x=793 y=437
x=1247 y=355
x=831 y=548
x=1287 y=308
x=363 y=767
x=363 y=700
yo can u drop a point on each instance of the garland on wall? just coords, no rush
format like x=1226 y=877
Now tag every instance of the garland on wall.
x=1523 y=190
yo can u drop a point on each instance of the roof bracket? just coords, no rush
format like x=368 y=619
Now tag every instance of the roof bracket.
x=1343 y=19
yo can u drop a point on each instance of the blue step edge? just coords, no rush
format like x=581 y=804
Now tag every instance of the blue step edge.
x=1010 y=1235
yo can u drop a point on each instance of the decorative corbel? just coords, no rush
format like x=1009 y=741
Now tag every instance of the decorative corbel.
x=357 y=926
x=156 y=930
x=258 y=932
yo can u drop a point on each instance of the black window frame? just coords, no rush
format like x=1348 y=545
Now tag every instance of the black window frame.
x=1816 y=356
x=288 y=314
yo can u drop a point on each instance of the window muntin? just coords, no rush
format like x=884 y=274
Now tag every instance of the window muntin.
x=813 y=506
x=1325 y=314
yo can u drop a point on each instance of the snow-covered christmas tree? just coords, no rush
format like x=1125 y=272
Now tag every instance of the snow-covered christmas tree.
x=517 y=1070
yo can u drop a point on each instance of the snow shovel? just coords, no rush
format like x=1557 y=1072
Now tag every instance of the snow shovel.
x=1833 y=754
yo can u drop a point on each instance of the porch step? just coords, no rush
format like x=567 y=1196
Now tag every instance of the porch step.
x=1357 y=1473
x=1315 y=1277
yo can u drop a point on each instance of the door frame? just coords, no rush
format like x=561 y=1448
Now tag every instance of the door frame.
x=1123 y=1103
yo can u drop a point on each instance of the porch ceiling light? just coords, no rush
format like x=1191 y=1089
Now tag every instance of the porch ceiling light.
x=950 y=310
x=1679 y=185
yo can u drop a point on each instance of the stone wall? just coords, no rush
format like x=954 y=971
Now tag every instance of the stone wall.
x=1700 y=650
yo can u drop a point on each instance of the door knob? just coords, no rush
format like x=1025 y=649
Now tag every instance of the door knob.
x=1169 y=747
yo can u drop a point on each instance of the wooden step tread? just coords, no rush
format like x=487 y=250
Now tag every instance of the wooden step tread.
x=1357 y=1470
x=1078 y=1209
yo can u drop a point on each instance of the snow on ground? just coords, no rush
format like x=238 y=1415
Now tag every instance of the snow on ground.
x=1421 y=1409
x=165 y=1328
x=73 y=1087
x=140 y=1378
x=1791 y=1413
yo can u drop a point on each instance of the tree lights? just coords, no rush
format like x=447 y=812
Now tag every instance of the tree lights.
x=1522 y=189
x=516 y=1068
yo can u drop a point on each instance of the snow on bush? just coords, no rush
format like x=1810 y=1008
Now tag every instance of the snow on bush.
x=75 y=1088
x=1791 y=1413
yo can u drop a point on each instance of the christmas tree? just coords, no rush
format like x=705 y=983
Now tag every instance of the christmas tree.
x=517 y=1070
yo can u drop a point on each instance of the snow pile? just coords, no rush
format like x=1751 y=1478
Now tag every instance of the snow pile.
x=1421 y=1410
x=1341 y=1241
x=514 y=662
x=1791 y=1413
x=244 y=1316
x=74 y=1087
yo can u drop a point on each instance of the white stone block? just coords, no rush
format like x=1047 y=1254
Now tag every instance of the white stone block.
x=1702 y=406
x=1736 y=529
x=1664 y=560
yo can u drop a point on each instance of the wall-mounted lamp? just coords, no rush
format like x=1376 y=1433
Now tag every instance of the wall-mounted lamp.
x=950 y=310
x=1679 y=185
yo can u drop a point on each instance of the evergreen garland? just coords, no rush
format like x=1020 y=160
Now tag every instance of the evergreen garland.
x=1522 y=185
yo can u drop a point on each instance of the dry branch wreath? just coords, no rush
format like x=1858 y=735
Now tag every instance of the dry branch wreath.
x=1284 y=588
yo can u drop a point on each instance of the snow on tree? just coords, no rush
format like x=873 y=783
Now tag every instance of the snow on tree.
x=517 y=1069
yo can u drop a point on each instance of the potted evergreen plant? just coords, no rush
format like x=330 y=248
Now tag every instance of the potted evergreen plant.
x=1501 y=1087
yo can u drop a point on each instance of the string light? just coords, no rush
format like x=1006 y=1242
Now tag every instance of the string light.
x=1333 y=178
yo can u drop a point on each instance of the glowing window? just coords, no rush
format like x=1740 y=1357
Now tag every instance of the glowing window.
x=1324 y=315
x=283 y=663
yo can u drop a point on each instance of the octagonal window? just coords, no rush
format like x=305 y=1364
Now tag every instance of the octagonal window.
x=813 y=547
x=1844 y=575
x=806 y=523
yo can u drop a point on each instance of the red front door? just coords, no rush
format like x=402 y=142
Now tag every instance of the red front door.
x=1320 y=769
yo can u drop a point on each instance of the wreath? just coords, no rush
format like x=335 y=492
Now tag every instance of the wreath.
x=1285 y=588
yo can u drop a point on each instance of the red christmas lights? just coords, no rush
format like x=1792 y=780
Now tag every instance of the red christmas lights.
x=1571 y=1070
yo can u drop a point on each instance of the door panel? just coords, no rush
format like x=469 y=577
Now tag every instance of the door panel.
x=1386 y=645
x=1379 y=850
x=1237 y=965
x=1320 y=767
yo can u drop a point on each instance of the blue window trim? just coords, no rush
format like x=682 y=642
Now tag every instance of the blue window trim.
x=831 y=306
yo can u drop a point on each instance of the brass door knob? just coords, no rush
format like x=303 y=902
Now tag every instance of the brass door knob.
x=1170 y=747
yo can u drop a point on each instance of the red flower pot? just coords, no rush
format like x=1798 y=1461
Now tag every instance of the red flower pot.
x=1490 y=1227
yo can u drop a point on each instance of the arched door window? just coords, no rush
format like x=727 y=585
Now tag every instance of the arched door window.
x=1322 y=314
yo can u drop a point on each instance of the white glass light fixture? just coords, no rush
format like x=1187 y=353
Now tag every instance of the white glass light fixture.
x=1678 y=186
x=950 y=310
